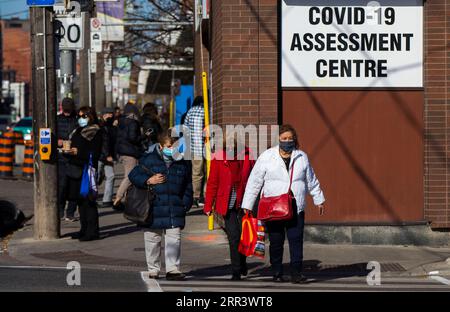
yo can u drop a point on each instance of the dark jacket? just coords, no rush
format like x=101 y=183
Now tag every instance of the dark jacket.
x=174 y=197
x=109 y=142
x=129 y=138
x=85 y=148
x=65 y=126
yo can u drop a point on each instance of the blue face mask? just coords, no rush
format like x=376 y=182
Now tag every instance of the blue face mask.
x=83 y=122
x=168 y=152
x=287 y=146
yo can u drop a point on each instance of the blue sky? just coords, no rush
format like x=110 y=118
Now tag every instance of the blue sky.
x=11 y=6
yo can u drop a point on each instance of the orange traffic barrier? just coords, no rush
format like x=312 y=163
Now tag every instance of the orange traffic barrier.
x=18 y=138
x=28 y=160
x=6 y=154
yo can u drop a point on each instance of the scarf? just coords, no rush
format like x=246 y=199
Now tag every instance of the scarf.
x=89 y=132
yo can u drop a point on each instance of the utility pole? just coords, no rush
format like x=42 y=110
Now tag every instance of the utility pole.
x=44 y=116
x=87 y=80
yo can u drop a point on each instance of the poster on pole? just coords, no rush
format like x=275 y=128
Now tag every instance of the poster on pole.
x=123 y=71
x=111 y=14
x=352 y=43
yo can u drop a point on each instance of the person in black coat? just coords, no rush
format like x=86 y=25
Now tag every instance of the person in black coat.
x=66 y=123
x=171 y=180
x=108 y=156
x=151 y=125
x=128 y=147
x=86 y=141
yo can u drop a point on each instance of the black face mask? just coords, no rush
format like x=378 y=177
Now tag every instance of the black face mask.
x=287 y=146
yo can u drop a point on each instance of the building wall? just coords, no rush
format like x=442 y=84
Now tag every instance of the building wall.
x=16 y=53
x=436 y=113
x=17 y=50
x=244 y=61
x=245 y=90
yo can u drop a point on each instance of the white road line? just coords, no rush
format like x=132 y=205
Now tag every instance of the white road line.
x=31 y=267
x=440 y=279
x=151 y=283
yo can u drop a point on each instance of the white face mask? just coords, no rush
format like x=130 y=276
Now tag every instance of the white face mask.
x=83 y=122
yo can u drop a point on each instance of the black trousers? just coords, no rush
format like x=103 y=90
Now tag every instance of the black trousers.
x=233 y=228
x=277 y=232
x=88 y=218
x=63 y=183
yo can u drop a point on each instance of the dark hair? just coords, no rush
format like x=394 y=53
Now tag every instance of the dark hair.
x=68 y=105
x=166 y=135
x=198 y=101
x=151 y=110
x=90 y=112
x=288 y=128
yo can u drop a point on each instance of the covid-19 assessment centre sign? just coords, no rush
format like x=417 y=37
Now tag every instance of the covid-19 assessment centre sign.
x=352 y=43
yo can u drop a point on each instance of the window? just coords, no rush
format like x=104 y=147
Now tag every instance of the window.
x=24 y=123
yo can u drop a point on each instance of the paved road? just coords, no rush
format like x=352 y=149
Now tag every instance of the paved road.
x=54 y=279
x=51 y=279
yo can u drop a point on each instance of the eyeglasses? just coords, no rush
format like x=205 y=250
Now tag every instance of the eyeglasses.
x=83 y=116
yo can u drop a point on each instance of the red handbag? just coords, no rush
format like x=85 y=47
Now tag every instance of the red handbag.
x=276 y=208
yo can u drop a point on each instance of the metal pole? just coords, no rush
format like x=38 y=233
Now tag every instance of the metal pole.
x=45 y=67
x=66 y=68
x=89 y=79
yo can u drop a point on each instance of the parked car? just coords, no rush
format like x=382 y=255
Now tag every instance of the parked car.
x=25 y=125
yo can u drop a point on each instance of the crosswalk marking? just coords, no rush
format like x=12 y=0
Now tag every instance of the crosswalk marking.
x=152 y=284
x=217 y=284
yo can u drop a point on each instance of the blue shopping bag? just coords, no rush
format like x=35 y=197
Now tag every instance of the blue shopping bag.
x=88 y=187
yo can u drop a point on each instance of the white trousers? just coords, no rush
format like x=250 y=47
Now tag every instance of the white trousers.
x=172 y=248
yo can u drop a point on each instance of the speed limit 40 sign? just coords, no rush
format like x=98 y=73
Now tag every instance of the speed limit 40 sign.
x=69 y=30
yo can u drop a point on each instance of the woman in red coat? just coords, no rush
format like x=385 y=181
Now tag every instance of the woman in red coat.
x=225 y=188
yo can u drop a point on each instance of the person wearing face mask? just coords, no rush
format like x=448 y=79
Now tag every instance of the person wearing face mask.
x=272 y=172
x=170 y=177
x=225 y=187
x=86 y=140
x=108 y=156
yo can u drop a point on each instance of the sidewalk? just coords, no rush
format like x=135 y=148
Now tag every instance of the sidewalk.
x=204 y=253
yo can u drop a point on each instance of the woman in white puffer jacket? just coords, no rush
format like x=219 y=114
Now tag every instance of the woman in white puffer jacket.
x=272 y=173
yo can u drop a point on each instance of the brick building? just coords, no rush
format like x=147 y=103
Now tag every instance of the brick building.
x=16 y=52
x=381 y=153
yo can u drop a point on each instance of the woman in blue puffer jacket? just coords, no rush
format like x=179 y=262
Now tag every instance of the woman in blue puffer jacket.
x=171 y=179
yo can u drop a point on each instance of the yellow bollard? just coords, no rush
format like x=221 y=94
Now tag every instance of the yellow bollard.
x=211 y=222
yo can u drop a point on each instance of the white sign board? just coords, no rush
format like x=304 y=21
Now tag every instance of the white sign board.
x=45 y=136
x=96 y=41
x=69 y=29
x=352 y=43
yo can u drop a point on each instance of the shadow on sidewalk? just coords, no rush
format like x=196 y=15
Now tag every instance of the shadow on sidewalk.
x=195 y=212
x=315 y=272
x=109 y=231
